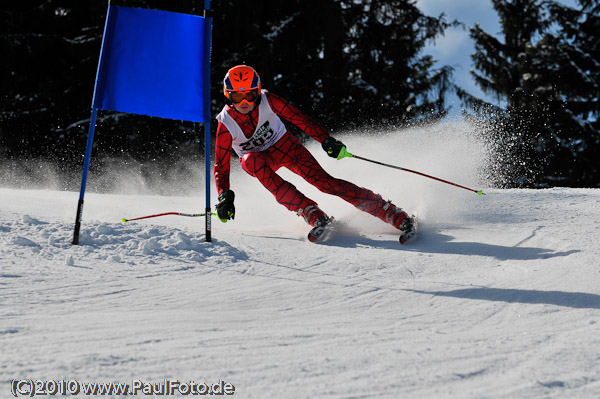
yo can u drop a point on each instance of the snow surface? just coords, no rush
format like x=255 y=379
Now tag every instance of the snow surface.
x=498 y=297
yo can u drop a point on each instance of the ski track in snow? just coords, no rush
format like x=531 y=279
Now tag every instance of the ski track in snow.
x=498 y=297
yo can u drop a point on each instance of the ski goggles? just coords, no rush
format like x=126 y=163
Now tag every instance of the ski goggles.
x=237 y=97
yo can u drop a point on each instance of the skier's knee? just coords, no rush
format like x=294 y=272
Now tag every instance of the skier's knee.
x=252 y=162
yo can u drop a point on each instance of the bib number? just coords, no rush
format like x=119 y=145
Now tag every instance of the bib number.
x=259 y=138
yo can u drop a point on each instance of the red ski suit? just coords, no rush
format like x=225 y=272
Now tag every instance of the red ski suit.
x=288 y=152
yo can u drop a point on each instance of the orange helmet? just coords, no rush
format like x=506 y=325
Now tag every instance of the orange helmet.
x=241 y=83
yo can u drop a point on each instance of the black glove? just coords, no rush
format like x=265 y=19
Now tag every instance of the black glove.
x=225 y=207
x=332 y=147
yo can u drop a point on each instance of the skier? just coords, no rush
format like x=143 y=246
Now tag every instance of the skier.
x=252 y=125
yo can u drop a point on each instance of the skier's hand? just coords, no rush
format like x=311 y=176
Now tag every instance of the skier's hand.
x=332 y=147
x=225 y=207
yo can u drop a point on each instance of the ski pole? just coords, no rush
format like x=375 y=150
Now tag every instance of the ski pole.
x=344 y=153
x=192 y=215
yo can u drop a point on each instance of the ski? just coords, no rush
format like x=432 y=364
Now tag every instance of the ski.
x=411 y=230
x=319 y=233
x=322 y=232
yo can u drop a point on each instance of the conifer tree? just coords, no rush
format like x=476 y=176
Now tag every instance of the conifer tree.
x=348 y=63
x=569 y=64
x=502 y=71
x=545 y=81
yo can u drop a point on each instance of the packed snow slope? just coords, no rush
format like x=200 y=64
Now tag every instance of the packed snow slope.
x=498 y=297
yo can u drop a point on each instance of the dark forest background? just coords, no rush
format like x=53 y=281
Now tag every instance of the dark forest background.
x=350 y=64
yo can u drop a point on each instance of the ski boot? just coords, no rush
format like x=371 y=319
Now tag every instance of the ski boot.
x=409 y=227
x=318 y=233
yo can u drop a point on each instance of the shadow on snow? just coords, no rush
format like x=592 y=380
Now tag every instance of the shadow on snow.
x=578 y=300
x=443 y=244
x=437 y=243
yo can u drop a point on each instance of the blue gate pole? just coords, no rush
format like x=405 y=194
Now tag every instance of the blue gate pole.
x=86 y=166
x=207 y=109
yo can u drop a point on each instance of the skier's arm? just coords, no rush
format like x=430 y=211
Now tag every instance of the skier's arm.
x=222 y=158
x=292 y=114
x=307 y=124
